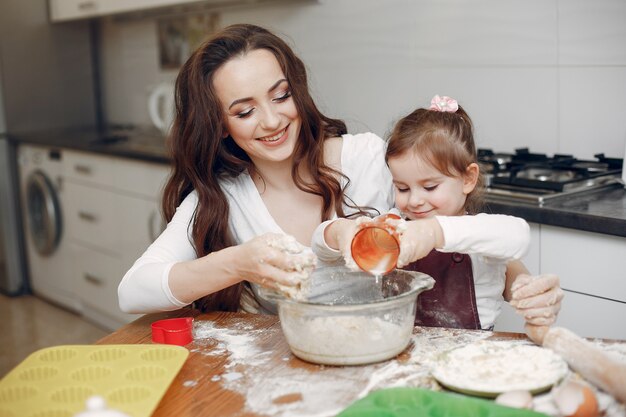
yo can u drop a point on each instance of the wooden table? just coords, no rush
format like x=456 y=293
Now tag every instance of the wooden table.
x=240 y=365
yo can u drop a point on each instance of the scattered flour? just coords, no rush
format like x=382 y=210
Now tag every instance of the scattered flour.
x=292 y=390
x=240 y=345
x=232 y=376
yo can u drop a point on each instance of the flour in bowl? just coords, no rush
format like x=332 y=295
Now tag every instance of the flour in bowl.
x=346 y=339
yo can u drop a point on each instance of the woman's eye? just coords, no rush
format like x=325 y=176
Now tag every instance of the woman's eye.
x=244 y=114
x=284 y=96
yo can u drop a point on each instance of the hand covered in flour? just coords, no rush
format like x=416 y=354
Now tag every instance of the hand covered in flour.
x=417 y=238
x=276 y=261
x=537 y=298
x=339 y=234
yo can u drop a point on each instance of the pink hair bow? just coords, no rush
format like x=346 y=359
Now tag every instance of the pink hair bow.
x=444 y=104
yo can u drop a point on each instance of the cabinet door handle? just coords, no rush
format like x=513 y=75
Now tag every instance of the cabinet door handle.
x=88 y=217
x=92 y=279
x=83 y=169
x=86 y=5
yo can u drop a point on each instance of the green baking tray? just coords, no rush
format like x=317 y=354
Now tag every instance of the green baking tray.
x=417 y=402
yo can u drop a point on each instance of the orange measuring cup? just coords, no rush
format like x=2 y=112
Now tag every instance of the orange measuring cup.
x=375 y=247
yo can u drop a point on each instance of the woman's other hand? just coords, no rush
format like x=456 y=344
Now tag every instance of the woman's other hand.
x=537 y=298
x=339 y=234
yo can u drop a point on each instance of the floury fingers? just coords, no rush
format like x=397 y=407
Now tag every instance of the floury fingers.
x=304 y=261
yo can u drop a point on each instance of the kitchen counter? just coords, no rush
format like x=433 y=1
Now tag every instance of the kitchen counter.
x=603 y=211
x=240 y=365
x=146 y=145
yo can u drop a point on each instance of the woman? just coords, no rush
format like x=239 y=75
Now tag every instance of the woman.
x=254 y=160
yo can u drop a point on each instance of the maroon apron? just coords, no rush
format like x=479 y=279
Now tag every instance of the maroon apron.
x=452 y=301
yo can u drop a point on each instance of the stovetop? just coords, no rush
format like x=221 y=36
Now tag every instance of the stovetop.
x=537 y=178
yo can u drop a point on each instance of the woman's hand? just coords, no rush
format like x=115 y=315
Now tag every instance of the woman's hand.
x=275 y=261
x=417 y=239
x=271 y=260
x=537 y=298
x=339 y=234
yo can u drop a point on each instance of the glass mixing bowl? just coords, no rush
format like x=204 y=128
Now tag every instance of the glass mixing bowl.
x=350 y=317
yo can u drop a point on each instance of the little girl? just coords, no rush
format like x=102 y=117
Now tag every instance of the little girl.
x=474 y=258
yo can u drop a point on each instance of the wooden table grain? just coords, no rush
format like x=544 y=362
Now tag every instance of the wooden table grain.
x=240 y=365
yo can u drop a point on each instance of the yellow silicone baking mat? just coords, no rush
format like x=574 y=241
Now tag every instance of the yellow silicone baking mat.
x=56 y=381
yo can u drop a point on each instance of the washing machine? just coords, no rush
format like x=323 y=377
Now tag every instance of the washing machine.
x=47 y=250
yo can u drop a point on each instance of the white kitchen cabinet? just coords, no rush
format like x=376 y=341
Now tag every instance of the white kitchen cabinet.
x=508 y=320
x=112 y=215
x=73 y=9
x=592 y=271
x=590 y=316
x=62 y=10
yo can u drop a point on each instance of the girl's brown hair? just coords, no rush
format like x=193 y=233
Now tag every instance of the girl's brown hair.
x=201 y=155
x=445 y=140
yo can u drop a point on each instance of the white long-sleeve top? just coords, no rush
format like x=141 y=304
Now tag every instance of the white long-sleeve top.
x=145 y=287
x=491 y=241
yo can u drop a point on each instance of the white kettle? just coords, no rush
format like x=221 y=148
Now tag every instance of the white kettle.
x=161 y=107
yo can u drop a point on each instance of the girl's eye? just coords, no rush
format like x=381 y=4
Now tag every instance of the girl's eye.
x=431 y=187
x=283 y=97
x=402 y=189
x=244 y=114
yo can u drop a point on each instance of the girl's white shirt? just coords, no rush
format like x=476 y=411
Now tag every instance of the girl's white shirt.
x=145 y=287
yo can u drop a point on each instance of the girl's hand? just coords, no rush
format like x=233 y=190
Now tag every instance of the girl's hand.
x=275 y=261
x=417 y=239
x=537 y=298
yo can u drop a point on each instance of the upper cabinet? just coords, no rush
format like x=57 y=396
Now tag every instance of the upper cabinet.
x=62 y=10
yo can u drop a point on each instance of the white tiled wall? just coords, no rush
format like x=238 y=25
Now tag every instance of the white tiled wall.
x=547 y=74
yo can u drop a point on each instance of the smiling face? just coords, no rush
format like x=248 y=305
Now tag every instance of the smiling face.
x=422 y=191
x=261 y=116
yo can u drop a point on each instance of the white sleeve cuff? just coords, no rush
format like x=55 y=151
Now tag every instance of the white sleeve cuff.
x=319 y=246
x=493 y=235
x=165 y=286
x=145 y=289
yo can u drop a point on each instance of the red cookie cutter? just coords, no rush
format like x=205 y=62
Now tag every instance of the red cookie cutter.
x=173 y=331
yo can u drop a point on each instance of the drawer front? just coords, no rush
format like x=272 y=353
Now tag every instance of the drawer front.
x=97 y=277
x=118 y=224
x=139 y=222
x=592 y=317
x=73 y=9
x=585 y=315
x=89 y=168
x=90 y=216
x=589 y=263
x=144 y=179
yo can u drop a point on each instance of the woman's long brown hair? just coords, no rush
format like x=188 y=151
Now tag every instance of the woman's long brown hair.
x=201 y=155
